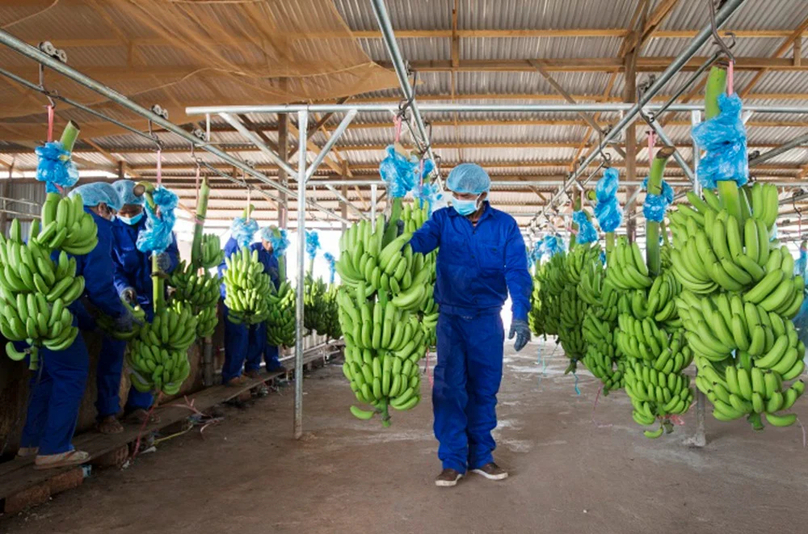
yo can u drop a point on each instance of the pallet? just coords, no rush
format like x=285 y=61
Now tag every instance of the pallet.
x=21 y=486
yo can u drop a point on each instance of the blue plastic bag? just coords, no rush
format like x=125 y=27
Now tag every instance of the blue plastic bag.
x=606 y=188
x=54 y=167
x=724 y=139
x=538 y=251
x=400 y=173
x=655 y=206
x=157 y=235
x=243 y=230
x=430 y=194
x=279 y=244
x=332 y=266
x=586 y=230
x=553 y=245
x=607 y=210
x=312 y=244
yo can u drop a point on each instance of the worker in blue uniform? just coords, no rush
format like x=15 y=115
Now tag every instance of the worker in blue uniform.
x=257 y=346
x=480 y=260
x=133 y=284
x=57 y=388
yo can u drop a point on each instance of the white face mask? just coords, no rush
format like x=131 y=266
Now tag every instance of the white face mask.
x=465 y=207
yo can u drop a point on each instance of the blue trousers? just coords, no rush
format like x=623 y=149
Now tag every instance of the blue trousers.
x=258 y=348
x=464 y=395
x=56 y=392
x=108 y=379
x=236 y=342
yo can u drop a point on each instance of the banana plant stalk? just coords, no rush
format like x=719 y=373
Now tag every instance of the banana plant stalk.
x=69 y=136
x=652 y=255
x=201 y=213
x=392 y=224
x=576 y=205
x=281 y=259
x=727 y=189
x=158 y=285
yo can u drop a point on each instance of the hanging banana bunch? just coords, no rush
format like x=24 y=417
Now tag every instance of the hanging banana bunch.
x=200 y=290
x=248 y=288
x=212 y=253
x=281 y=318
x=385 y=312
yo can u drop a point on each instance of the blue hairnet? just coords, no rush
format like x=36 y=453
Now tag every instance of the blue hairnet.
x=266 y=233
x=54 y=167
x=655 y=206
x=400 y=173
x=312 y=244
x=279 y=244
x=332 y=267
x=586 y=230
x=243 y=231
x=607 y=210
x=468 y=178
x=97 y=192
x=157 y=236
x=724 y=139
x=125 y=189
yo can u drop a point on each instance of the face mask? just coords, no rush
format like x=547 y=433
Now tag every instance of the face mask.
x=131 y=220
x=464 y=207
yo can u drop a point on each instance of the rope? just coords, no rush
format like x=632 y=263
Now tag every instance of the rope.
x=803 y=432
x=159 y=166
x=595 y=407
x=148 y=416
x=731 y=78
x=577 y=389
x=397 y=127
x=428 y=372
x=50 y=123
x=651 y=144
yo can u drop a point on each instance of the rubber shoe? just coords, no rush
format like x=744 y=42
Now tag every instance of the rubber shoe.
x=448 y=478
x=491 y=471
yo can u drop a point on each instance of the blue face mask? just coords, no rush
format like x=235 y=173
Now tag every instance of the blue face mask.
x=131 y=220
x=464 y=207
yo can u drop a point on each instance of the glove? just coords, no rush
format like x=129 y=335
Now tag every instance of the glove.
x=129 y=295
x=399 y=227
x=124 y=322
x=163 y=262
x=521 y=330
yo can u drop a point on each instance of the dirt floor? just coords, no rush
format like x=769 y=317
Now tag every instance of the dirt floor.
x=572 y=471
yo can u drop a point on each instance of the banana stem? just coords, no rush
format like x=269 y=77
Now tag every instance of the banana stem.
x=716 y=86
x=652 y=255
x=392 y=224
x=281 y=259
x=609 y=242
x=158 y=292
x=69 y=136
x=576 y=205
x=385 y=414
x=201 y=213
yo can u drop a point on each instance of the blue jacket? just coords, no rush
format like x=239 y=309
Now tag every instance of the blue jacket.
x=97 y=267
x=269 y=261
x=133 y=267
x=477 y=265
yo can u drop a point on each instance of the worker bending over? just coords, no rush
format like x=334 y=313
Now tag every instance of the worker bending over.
x=133 y=284
x=57 y=388
x=480 y=260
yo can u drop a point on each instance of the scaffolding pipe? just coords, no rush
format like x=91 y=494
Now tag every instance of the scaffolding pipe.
x=113 y=96
x=676 y=65
x=475 y=108
x=345 y=200
x=335 y=135
x=302 y=127
x=254 y=139
x=386 y=27
x=794 y=143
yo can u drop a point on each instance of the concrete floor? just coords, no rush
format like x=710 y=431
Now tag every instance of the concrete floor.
x=573 y=471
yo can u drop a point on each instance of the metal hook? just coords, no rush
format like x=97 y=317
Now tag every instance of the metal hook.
x=714 y=29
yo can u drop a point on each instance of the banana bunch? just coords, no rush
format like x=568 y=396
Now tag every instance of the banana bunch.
x=206 y=321
x=332 y=326
x=36 y=292
x=158 y=355
x=536 y=315
x=573 y=307
x=320 y=309
x=247 y=287
x=659 y=301
x=212 y=253
x=742 y=389
x=551 y=279
x=199 y=289
x=386 y=311
x=602 y=357
x=281 y=317
x=579 y=258
x=627 y=269
x=66 y=226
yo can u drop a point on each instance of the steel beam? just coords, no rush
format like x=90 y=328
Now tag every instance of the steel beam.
x=302 y=127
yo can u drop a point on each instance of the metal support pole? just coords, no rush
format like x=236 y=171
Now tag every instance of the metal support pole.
x=254 y=139
x=386 y=27
x=302 y=127
x=331 y=142
x=283 y=177
x=373 y=205
x=676 y=154
x=676 y=65
x=794 y=143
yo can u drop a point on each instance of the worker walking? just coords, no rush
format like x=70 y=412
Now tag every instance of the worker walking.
x=257 y=346
x=480 y=260
x=133 y=284
x=57 y=388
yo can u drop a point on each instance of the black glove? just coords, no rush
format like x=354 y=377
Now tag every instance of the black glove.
x=163 y=262
x=399 y=227
x=521 y=330
x=129 y=295
x=124 y=322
